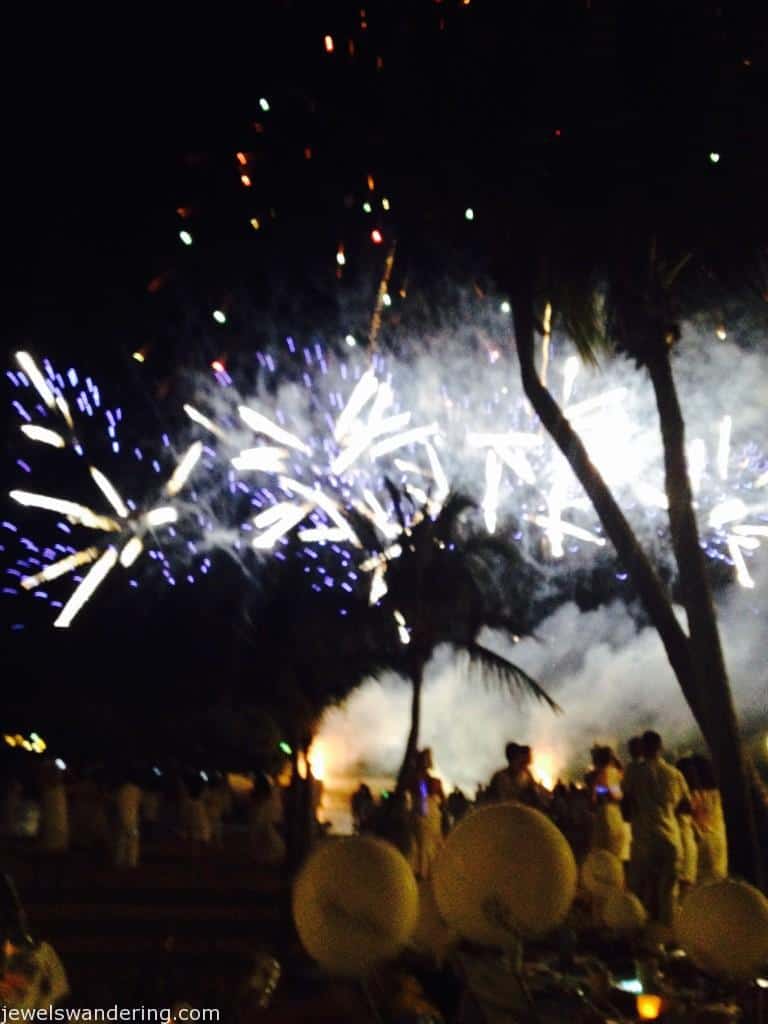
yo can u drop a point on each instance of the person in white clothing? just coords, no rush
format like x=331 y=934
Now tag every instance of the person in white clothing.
x=265 y=813
x=656 y=795
x=428 y=816
x=218 y=802
x=54 y=810
x=128 y=806
x=690 y=864
x=709 y=821
x=608 y=831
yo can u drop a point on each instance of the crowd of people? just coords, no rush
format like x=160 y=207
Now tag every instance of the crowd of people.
x=664 y=822
x=111 y=812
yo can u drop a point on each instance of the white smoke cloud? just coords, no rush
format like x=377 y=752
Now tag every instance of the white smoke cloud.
x=611 y=678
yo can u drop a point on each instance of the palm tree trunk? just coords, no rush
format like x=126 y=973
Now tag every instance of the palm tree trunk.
x=644 y=576
x=709 y=701
x=717 y=716
x=412 y=745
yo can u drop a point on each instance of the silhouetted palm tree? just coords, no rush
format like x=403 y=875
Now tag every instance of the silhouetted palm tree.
x=621 y=287
x=446 y=586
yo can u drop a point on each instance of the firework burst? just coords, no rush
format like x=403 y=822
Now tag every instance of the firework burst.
x=121 y=533
x=317 y=446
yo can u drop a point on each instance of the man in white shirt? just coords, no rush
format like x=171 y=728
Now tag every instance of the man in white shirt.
x=655 y=792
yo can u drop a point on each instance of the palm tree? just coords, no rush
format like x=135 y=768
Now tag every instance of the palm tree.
x=642 y=301
x=446 y=585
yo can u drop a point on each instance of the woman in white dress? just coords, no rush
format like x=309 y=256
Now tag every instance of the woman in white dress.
x=689 y=865
x=609 y=830
x=710 y=823
x=54 y=811
x=428 y=815
x=128 y=805
x=265 y=813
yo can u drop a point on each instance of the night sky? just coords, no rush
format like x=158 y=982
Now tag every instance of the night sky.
x=110 y=128
x=120 y=131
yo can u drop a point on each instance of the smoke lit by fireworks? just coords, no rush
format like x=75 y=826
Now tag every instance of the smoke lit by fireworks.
x=295 y=452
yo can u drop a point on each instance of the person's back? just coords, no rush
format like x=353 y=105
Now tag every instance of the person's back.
x=657 y=794
x=635 y=747
x=457 y=805
x=657 y=790
x=362 y=807
x=710 y=824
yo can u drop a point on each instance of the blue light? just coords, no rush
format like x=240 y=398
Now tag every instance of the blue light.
x=631 y=985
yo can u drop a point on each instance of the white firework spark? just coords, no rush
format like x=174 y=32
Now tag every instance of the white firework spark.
x=129 y=527
x=362 y=433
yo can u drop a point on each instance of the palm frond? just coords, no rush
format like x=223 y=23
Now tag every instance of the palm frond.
x=568 y=279
x=484 y=544
x=513 y=625
x=508 y=674
x=669 y=274
x=366 y=531
x=397 y=500
x=453 y=507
